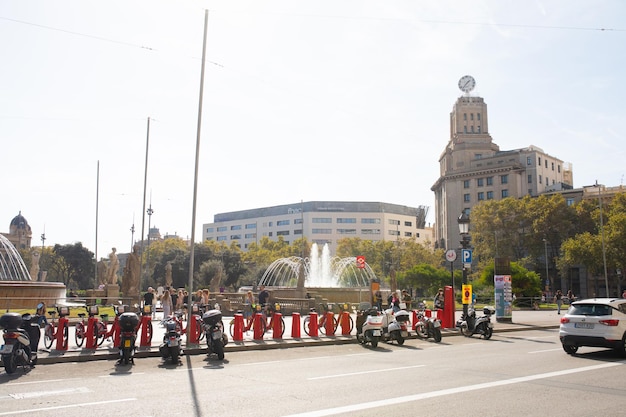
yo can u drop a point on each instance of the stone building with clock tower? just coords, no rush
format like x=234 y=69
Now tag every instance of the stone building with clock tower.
x=472 y=168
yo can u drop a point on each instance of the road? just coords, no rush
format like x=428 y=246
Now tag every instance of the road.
x=522 y=373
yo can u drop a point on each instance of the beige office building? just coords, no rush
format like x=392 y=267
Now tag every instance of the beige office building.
x=321 y=222
x=473 y=169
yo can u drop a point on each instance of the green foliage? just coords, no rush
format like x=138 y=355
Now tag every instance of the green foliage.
x=425 y=279
x=73 y=265
x=524 y=283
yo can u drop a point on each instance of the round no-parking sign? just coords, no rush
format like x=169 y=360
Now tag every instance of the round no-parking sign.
x=451 y=255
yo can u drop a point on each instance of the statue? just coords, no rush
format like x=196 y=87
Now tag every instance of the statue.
x=168 y=274
x=101 y=272
x=130 y=280
x=34 y=267
x=114 y=265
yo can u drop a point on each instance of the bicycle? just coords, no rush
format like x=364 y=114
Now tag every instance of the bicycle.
x=269 y=311
x=321 y=321
x=99 y=330
x=248 y=321
x=51 y=329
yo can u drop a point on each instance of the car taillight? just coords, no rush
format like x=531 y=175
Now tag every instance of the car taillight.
x=610 y=322
x=564 y=320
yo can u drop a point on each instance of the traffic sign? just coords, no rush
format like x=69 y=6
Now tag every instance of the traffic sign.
x=451 y=255
x=466 y=255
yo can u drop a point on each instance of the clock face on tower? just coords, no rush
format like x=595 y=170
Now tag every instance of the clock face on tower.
x=467 y=83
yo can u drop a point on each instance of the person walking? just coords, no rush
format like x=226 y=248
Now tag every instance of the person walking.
x=439 y=300
x=570 y=297
x=558 y=299
x=247 y=310
x=166 y=304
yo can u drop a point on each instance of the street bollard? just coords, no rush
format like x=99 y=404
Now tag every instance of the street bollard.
x=146 y=326
x=258 y=329
x=62 y=328
x=295 y=325
x=90 y=334
x=313 y=330
x=277 y=331
x=330 y=323
x=238 y=328
x=194 y=329
x=345 y=323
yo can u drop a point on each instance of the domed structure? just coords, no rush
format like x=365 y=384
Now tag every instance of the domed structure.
x=20 y=233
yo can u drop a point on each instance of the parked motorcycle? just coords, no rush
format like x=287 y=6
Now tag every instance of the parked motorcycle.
x=21 y=338
x=128 y=336
x=170 y=348
x=482 y=325
x=426 y=327
x=369 y=325
x=395 y=326
x=216 y=339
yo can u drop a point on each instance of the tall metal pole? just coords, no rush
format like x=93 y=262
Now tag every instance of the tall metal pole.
x=195 y=177
x=143 y=210
x=95 y=277
x=545 y=243
x=606 y=277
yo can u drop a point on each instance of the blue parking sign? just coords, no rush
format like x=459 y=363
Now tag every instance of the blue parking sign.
x=466 y=255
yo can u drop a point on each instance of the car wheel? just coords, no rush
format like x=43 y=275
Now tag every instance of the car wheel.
x=570 y=349
x=622 y=349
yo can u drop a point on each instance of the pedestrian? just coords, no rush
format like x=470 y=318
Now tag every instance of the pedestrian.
x=148 y=299
x=174 y=296
x=264 y=297
x=248 y=303
x=180 y=300
x=166 y=303
x=205 y=296
x=406 y=299
x=439 y=300
x=570 y=297
x=395 y=301
x=378 y=300
x=558 y=299
x=198 y=297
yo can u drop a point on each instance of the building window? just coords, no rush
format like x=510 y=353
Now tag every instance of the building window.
x=235 y=227
x=480 y=182
x=529 y=161
x=489 y=195
x=222 y=228
x=250 y=236
x=552 y=166
x=370 y=231
x=546 y=161
x=209 y=229
x=466 y=184
x=408 y=224
x=235 y=237
x=321 y=231
x=297 y=232
x=558 y=168
x=478 y=155
x=466 y=198
x=394 y=222
x=464 y=116
x=504 y=179
x=370 y=221
x=489 y=180
x=297 y=221
x=481 y=196
x=540 y=180
x=221 y=238
x=530 y=178
x=539 y=159
x=569 y=201
x=530 y=191
x=282 y=223
x=477 y=116
x=393 y=232
x=349 y=220
x=505 y=193
x=464 y=129
x=282 y=233
x=346 y=231
x=478 y=127
x=408 y=234
x=472 y=127
x=251 y=226
x=322 y=220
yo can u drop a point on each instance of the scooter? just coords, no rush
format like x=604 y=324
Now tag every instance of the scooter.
x=395 y=326
x=170 y=348
x=369 y=326
x=21 y=338
x=482 y=325
x=216 y=339
x=129 y=322
x=426 y=327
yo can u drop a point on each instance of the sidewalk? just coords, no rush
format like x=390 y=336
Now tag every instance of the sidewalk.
x=521 y=320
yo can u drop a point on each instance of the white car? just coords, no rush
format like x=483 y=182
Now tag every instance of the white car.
x=596 y=322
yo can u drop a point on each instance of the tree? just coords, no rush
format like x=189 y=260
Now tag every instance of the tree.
x=524 y=283
x=74 y=265
x=425 y=278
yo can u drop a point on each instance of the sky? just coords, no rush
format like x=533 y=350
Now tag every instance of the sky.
x=329 y=100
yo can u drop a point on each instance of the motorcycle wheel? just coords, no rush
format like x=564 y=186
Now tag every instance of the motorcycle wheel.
x=174 y=353
x=48 y=336
x=79 y=334
x=359 y=338
x=400 y=340
x=125 y=356
x=374 y=343
x=421 y=331
x=219 y=350
x=10 y=363
x=437 y=335
x=465 y=331
x=488 y=332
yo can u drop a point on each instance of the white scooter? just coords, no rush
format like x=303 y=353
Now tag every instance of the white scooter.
x=369 y=325
x=395 y=326
x=482 y=325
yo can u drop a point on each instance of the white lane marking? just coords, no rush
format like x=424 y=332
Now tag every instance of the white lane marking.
x=36 y=394
x=545 y=350
x=59 y=407
x=39 y=382
x=315 y=358
x=364 y=372
x=450 y=391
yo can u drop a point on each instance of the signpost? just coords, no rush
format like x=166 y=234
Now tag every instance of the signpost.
x=451 y=257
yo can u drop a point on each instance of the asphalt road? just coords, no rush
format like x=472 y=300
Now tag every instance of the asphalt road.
x=522 y=373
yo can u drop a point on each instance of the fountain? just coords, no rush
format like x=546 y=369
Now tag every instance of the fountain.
x=17 y=288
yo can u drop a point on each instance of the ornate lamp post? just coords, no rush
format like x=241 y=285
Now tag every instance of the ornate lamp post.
x=464 y=224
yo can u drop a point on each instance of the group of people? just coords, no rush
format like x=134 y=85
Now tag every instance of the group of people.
x=559 y=297
x=171 y=299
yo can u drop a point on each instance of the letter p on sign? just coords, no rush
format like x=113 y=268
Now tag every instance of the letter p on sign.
x=466 y=255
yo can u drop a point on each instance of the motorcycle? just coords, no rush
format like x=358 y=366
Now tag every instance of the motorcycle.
x=395 y=326
x=369 y=326
x=128 y=336
x=216 y=339
x=482 y=325
x=426 y=327
x=170 y=348
x=21 y=338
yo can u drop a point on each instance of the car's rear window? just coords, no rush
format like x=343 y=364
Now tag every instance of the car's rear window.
x=590 y=310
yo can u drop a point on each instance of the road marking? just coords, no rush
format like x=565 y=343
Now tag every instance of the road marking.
x=545 y=350
x=40 y=382
x=36 y=394
x=59 y=407
x=364 y=372
x=316 y=358
x=450 y=391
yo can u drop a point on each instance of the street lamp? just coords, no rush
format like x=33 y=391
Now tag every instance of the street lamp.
x=464 y=224
x=606 y=277
x=545 y=244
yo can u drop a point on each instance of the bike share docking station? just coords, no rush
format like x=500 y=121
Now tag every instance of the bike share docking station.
x=90 y=333
x=146 y=326
x=62 y=331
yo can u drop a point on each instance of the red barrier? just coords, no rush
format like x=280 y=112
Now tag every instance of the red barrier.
x=345 y=323
x=447 y=318
x=277 y=330
x=90 y=334
x=114 y=333
x=146 y=330
x=295 y=325
x=330 y=323
x=62 y=333
x=414 y=320
x=194 y=330
x=238 y=327
x=428 y=313
x=313 y=330
x=258 y=329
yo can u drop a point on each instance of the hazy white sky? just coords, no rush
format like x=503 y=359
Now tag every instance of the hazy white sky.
x=303 y=100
